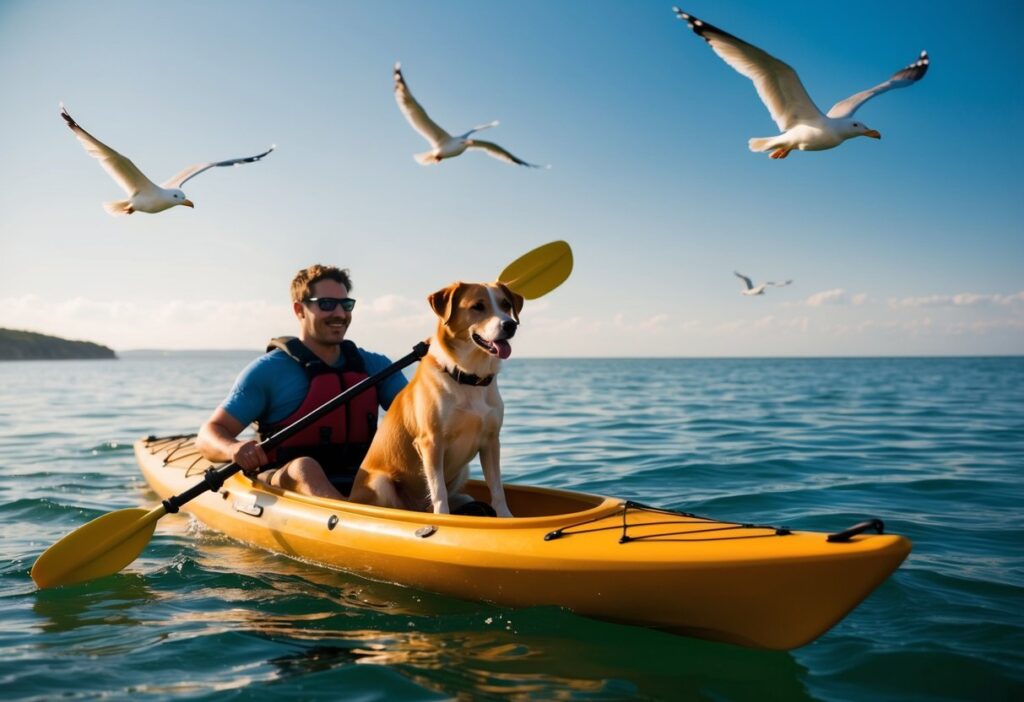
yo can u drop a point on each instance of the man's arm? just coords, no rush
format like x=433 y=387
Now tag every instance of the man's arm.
x=217 y=441
x=390 y=386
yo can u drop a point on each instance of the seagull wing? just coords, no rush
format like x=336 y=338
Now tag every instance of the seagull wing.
x=192 y=171
x=777 y=84
x=497 y=152
x=749 y=283
x=127 y=175
x=778 y=285
x=416 y=115
x=900 y=79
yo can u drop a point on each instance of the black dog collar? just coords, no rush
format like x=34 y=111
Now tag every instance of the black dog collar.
x=465 y=378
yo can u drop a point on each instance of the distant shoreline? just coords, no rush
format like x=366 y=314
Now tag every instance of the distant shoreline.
x=18 y=345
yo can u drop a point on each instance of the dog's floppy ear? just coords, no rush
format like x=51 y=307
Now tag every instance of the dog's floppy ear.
x=443 y=302
x=517 y=299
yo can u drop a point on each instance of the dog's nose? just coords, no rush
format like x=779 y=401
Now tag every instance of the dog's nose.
x=509 y=328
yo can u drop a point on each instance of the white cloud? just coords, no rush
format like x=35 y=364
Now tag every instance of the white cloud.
x=624 y=323
x=388 y=323
x=960 y=300
x=389 y=304
x=984 y=326
x=744 y=328
x=835 y=296
x=209 y=324
x=173 y=324
x=801 y=323
x=391 y=323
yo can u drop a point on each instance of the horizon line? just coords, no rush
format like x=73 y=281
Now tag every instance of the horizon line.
x=639 y=357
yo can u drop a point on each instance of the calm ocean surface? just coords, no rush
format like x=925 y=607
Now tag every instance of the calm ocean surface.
x=934 y=447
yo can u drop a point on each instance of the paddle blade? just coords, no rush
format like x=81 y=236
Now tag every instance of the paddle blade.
x=540 y=271
x=102 y=547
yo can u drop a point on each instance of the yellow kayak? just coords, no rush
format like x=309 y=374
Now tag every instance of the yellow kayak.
x=601 y=557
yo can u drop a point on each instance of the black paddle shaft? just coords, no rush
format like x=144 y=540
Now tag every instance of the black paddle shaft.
x=214 y=478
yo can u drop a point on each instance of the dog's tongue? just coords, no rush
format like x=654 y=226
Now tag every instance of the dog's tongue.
x=504 y=348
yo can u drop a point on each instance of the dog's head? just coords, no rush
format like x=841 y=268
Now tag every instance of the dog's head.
x=484 y=315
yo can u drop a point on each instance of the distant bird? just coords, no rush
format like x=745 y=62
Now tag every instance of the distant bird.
x=444 y=145
x=780 y=89
x=144 y=195
x=751 y=289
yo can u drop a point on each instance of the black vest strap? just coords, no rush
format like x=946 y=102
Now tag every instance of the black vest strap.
x=312 y=363
x=353 y=359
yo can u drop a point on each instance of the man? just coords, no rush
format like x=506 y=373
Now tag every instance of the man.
x=295 y=377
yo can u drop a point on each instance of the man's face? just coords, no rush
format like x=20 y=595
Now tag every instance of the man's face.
x=326 y=328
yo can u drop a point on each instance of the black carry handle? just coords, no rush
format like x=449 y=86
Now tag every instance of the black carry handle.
x=214 y=478
x=877 y=524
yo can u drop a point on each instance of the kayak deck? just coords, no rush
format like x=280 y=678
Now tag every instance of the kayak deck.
x=598 y=556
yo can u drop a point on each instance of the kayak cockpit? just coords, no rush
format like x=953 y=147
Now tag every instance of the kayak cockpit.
x=179 y=453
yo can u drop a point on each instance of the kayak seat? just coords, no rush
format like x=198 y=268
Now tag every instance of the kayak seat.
x=476 y=509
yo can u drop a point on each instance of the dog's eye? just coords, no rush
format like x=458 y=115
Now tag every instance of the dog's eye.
x=506 y=305
x=477 y=307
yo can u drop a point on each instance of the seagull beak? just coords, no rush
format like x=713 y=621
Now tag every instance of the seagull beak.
x=188 y=203
x=873 y=133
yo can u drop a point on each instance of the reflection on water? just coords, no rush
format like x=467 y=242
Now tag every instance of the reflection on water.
x=328 y=620
x=313 y=659
x=589 y=658
x=104 y=602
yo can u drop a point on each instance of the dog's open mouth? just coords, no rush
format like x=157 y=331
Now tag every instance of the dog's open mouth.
x=499 y=347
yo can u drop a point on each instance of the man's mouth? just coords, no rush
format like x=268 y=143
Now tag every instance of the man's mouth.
x=499 y=348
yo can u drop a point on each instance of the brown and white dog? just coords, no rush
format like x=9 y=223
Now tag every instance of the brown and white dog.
x=450 y=411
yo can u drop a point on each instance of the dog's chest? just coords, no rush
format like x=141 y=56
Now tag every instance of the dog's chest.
x=471 y=416
x=474 y=402
x=468 y=421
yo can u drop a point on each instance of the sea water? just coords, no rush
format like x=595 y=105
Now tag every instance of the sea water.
x=932 y=446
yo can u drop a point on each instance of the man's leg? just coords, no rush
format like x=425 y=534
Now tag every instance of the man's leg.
x=304 y=475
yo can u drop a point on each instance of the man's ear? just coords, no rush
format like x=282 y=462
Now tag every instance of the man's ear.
x=299 y=309
x=444 y=301
x=516 y=298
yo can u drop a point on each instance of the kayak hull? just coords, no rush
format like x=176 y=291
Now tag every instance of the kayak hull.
x=597 y=556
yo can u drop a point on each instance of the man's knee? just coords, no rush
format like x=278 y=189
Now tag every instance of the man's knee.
x=305 y=466
x=298 y=472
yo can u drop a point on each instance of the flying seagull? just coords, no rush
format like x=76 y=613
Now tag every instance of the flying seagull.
x=751 y=289
x=780 y=89
x=444 y=145
x=143 y=194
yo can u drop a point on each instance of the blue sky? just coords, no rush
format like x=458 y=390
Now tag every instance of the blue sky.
x=908 y=245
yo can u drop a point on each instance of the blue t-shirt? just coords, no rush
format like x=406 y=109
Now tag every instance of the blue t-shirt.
x=273 y=386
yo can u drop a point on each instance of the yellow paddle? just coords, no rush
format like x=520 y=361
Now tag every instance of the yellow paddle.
x=107 y=544
x=540 y=271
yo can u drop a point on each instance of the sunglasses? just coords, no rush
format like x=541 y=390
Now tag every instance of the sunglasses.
x=327 y=304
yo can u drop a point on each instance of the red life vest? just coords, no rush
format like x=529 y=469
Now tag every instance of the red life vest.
x=338 y=440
